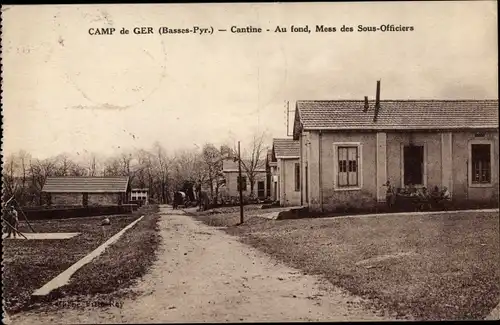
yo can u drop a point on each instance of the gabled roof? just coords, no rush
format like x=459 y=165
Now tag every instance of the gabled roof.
x=269 y=155
x=270 y=160
x=286 y=148
x=396 y=115
x=86 y=185
x=228 y=165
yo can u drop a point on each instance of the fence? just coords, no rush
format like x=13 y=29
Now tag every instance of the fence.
x=40 y=213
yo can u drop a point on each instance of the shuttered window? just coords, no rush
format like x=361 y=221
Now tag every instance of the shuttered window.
x=348 y=166
x=481 y=163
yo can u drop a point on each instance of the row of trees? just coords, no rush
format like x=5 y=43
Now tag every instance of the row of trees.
x=162 y=172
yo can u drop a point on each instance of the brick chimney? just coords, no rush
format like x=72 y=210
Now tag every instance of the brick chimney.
x=377 y=101
x=365 y=109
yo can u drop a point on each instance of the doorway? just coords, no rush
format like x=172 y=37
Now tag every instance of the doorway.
x=413 y=165
x=261 y=191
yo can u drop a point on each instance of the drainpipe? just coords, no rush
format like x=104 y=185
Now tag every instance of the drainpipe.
x=320 y=170
x=301 y=164
x=466 y=180
x=283 y=190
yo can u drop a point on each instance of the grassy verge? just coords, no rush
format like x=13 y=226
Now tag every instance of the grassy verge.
x=230 y=216
x=29 y=264
x=429 y=267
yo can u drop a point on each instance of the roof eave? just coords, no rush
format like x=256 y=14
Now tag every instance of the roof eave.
x=400 y=128
x=242 y=170
x=83 y=191
x=297 y=123
x=287 y=157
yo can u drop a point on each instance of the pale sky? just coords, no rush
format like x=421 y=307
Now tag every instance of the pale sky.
x=67 y=91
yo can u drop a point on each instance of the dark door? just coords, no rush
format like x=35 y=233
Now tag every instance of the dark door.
x=85 y=199
x=261 y=193
x=268 y=183
x=413 y=157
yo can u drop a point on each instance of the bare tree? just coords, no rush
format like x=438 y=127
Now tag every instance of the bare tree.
x=112 y=167
x=9 y=176
x=253 y=158
x=63 y=165
x=143 y=169
x=155 y=169
x=92 y=166
x=213 y=165
x=163 y=173
x=40 y=170
x=212 y=161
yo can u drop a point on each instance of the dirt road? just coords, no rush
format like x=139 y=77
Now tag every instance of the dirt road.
x=204 y=275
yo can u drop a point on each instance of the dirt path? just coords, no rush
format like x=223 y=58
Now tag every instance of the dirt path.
x=204 y=275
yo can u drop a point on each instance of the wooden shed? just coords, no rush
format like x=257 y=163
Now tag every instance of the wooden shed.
x=87 y=191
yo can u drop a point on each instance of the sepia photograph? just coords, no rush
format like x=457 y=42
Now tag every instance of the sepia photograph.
x=250 y=162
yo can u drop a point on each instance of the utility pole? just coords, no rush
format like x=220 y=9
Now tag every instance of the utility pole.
x=239 y=184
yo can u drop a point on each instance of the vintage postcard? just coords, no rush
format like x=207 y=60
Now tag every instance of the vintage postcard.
x=250 y=162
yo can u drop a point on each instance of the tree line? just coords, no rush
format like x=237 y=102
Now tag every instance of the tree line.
x=162 y=172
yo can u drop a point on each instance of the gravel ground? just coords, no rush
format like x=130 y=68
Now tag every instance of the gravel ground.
x=205 y=275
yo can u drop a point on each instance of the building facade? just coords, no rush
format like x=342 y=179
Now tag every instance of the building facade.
x=87 y=191
x=272 y=176
x=140 y=195
x=287 y=175
x=350 y=149
x=231 y=188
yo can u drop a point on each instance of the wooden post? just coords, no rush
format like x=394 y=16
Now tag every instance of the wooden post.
x=239 y=184
x=12 y=227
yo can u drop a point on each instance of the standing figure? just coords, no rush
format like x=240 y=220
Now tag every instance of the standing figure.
x=390 y=196
x=13 y=220
x=203 y=200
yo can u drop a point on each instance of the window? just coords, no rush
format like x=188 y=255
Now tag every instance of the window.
x=480 y=163
x=243 y=183
x=413 y=165
x=297 y=177
x=347 y=161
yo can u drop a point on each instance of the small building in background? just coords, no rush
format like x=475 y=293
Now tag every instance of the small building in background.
x=230 y=171
x=286 y=171
x=140 y=196
x=272 y=176
x=87 y=191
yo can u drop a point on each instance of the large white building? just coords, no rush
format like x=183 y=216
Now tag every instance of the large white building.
x=140 y=194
